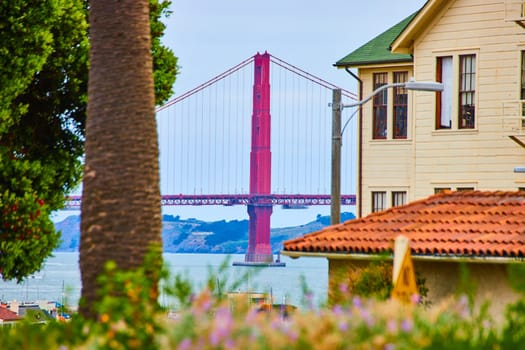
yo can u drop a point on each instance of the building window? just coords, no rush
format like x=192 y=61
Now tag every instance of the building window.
x=441 y=189
x=522 y=91
x=465 y=189
x=400 y=106
x=467 y=91
x=444 y=98
x=379 y=107
x=399 y=198
x=378 y=201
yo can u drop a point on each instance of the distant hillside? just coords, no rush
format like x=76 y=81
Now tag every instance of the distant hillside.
x=196 y=236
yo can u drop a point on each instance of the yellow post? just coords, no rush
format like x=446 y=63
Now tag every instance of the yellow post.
x=403 y=277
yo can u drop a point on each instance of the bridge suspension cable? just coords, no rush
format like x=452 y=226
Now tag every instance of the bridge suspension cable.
x=205 y=134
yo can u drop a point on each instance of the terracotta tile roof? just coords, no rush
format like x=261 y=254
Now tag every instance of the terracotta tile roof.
x=458 y=224
x=8 y=315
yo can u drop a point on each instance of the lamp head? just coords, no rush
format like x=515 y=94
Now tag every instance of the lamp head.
x=424 y=85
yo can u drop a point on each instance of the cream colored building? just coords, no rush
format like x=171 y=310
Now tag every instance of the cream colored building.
x=471 y=135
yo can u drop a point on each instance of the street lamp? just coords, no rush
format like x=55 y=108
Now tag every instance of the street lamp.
x=337 y=134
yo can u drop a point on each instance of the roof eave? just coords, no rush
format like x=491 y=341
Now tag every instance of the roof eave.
x=438 y=258
x=405 y=40
x=369 y=63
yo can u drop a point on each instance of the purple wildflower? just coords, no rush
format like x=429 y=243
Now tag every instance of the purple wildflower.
x=407 y=325
x=222 y=326
x=251 y=315
x=292 y=335
x=463 y=306
x=356 y=301
x=415 y=299
x=367 y=317
x=309 y=298
x=391 y=326
x=337 y=310
x=185 y=344
x=230 y=344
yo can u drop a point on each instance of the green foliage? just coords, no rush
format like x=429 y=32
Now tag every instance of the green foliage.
x=26 y=229
x=373 y=281
x=27 y=41
x=205 y=320
x=224 y=231
x=517 y=277
x=43 y=103
x=44 y=59
x=165 y=68
x=466 y=285
x=514 y=330
x=325 y=220
x=127 y=318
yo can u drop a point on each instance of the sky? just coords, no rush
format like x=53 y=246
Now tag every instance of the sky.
x=210 y=36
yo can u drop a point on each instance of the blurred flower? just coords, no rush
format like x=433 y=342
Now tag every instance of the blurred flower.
x=222 y=325
x=389 y=346
x=391 y=326
x=367 y=317
x=343 y=326
x=407 y=325
x=337 y=310
x=463 y=306
x=185 y=344
x=356 y=301
x=202 y=302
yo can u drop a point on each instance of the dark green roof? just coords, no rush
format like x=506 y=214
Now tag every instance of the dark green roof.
x=377 y=50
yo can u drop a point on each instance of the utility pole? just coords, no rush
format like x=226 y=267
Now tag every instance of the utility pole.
x=335 y=197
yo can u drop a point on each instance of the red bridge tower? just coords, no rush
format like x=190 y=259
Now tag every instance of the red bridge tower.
x=260 y=207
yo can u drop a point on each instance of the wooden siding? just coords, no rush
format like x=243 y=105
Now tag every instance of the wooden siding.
x=483 y=157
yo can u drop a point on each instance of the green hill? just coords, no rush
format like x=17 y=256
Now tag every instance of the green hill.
x=196 y=236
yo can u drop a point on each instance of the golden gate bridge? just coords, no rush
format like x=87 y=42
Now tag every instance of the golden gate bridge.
x=204 y=138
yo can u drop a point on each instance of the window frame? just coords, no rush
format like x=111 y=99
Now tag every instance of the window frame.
x=380 y=107
x=522 y=81
x=450 y=97
x=467 y=91
x=440 y=95
x=395 y=198
x=378 y=201
x=400 y=106
x=438 y=190
x=522 y=89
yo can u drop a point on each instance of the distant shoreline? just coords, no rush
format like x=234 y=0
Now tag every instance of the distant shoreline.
x=193 y=236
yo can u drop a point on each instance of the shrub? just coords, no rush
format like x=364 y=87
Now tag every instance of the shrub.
x=373 y=281
x=206 y=320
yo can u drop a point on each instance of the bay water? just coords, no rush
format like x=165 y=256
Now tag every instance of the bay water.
x=59 y=279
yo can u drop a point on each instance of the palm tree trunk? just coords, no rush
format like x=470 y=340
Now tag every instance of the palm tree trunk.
x=121 y=217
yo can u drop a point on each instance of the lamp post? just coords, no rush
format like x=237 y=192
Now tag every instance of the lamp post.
x=337 y=134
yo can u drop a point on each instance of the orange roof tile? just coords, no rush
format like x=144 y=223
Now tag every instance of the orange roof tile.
x=8 y=315
x=457 y=224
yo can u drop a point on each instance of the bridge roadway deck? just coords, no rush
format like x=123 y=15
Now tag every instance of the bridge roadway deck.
x=291 y=200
